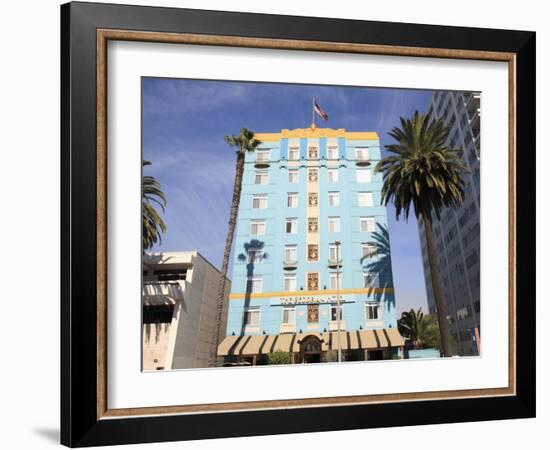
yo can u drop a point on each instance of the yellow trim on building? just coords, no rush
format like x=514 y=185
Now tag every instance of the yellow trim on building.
x=317 y=133
x=323 y=292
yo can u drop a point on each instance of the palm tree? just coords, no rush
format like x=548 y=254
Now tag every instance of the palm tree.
x=244 y=142
x=424 y=172
x=153 y=225
x=418 y=328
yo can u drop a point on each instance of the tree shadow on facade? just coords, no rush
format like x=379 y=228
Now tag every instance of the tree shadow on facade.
x=378 y=263
x=253 y=253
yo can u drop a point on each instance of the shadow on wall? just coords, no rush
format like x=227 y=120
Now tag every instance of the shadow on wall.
x=378 y=263
x=253 y=252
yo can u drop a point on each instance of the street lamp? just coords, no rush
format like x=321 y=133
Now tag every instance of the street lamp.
x=338 y=307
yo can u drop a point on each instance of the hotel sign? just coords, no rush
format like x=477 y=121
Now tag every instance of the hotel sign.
x=307 y=299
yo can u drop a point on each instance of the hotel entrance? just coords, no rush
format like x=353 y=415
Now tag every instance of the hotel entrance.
x=310 y=350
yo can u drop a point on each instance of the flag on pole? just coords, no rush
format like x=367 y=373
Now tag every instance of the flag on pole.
x=323 y=115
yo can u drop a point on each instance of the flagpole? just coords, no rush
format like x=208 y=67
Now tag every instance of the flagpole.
x=313 y=110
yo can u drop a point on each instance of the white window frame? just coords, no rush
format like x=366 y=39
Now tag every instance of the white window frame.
x=367 y=220
x=291 y=249
x=256 y=283
x=368 y=199
x=333 y=175
x=370 y=277
x=369 y=305
x=292 y=314
x=255 y=255
x=367 y=249
x=334 y=197
x=259 y=197
x=294 y=172
x=251 y=309
x=293 y=220
x=292 y=200
x=333 y=276
x=264 y=176
x=291 y=278
x=368 y=175
x=333 y=313
x=332 y=252
x=263 y=155
x=338 y=224
x=330 y=149
x=291 y=150
x=257 y=222
x=360 y=154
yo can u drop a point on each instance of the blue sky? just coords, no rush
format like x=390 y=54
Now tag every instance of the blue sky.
x=184 y=122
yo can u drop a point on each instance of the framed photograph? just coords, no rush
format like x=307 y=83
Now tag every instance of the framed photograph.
x=277 y=224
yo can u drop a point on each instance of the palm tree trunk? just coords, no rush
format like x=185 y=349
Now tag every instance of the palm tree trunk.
x=439 y=297
x=237 y=185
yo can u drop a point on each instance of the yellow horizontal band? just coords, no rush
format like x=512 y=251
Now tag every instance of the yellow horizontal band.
x=317 y=133
x=302 y=293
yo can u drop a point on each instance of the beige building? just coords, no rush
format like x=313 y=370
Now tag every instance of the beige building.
x=179 y=303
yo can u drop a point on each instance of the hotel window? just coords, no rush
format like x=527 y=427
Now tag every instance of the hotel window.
x=312 y=224
x=368 y=250
x=170 y=275
x=364 y=176
x=257 y=227
x=290 y=283
x=259 y=201
x=312 y=313
x=262 y=177
x=332 y=252
x=365 y=199
x=255 y=255
x=289 y=314
x=313 y=174
x=334 y=199
x=263 y=155
x=369 y=280
x=367 y=224
x=334 y=312
x=254 y=284
x=332 y=152
x=334 y=280
x=293 y=153
x=313 y=153
x=334 y=224
x=291 y=226
x=291 y=253
x=313 y=281
x=293 y=176
x=372 y=311
x=292 y=200
x=312 y=252
x=332 y=175
x=361 y=153
x=252 y=316
x=312 y=199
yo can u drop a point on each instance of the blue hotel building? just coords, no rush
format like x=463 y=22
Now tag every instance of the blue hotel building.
x=303 y=191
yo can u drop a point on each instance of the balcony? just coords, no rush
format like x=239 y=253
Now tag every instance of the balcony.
x=262 y=161
x=287 y=328
x=333 y=263
x=290 y=265
x=333 y=325
x=362 y=162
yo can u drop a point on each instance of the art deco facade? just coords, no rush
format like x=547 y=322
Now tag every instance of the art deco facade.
x=457 y=233
x=303 y=190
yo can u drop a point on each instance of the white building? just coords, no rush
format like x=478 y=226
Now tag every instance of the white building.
x=179 y=303
x=456 y=235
